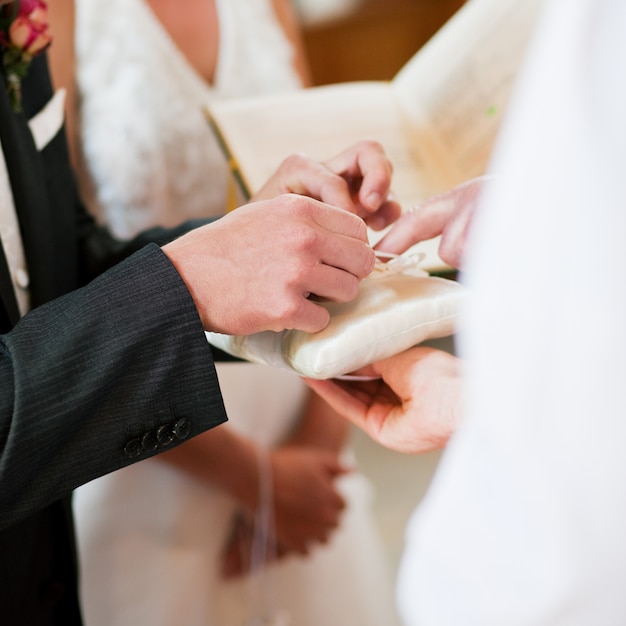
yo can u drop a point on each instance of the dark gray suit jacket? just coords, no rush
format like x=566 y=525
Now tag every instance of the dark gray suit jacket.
x=102 y=373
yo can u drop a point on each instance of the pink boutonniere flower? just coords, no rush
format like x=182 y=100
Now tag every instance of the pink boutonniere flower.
x=24 y=33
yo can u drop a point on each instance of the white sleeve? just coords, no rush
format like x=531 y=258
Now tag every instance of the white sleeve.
x=525 y=521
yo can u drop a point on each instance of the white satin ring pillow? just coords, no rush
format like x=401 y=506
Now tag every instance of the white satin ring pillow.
x=398 y=306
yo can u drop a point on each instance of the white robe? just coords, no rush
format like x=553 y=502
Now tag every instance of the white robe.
x=525 y=521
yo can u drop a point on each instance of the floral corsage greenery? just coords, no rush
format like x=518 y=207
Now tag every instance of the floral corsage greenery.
x=24 y=33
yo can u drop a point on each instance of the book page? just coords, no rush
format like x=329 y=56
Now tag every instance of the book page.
x=459 y=84
x=321 y=122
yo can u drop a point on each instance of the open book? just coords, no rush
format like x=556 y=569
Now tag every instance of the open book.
x=437 y=119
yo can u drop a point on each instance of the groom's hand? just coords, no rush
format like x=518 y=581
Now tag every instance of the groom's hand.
x=255 y=268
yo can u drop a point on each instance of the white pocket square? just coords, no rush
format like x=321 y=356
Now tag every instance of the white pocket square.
x=47 y=123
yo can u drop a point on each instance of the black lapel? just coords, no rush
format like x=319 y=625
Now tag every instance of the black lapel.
x=9 y=315
x=27 y=178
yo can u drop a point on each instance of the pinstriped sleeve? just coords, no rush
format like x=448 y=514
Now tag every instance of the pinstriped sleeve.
x=108 y=375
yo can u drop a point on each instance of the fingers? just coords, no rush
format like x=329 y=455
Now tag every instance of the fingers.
x=423 y=222
x=454 y=236
x=328 y=262
x=368 y=173
x=330 y=285
x=414 y=407
x=342 y=254
x=466 y=200
x=255 y=268
x=428 y=381
x=339 y=258
x=366 y=163
x=303 y=176
x=387 y=214
x=448 y=214
x=357 y=180
x=307 y=504
x=310 y=318
x=331 y=218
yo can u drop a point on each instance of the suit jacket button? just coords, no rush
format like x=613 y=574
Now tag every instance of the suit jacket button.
x=165 y=435
x=182 y=428
x=133 y=448
x=149 y=442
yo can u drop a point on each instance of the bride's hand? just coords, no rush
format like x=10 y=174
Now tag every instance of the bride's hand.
x=357 y=180
x=307 y=507
x=307 y=503
x=236 y=557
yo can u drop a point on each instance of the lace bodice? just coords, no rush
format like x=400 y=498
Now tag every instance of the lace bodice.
x=149 y=155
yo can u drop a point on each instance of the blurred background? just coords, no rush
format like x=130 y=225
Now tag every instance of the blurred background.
x=367 y=39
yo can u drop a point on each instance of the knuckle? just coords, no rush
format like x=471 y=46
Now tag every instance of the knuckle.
x=295 y=161
x=334 y=184
x=305 y=239
x=372 y=144
x=304 y=208
x=287 y=311
x=293 y=202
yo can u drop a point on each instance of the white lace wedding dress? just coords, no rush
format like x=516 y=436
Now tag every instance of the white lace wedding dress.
x=149 y=536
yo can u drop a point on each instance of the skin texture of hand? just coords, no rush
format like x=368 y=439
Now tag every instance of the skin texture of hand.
x=357 y=180
x=255 y=268
x=414 y=407
x=307 y=507
x=448 y=214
